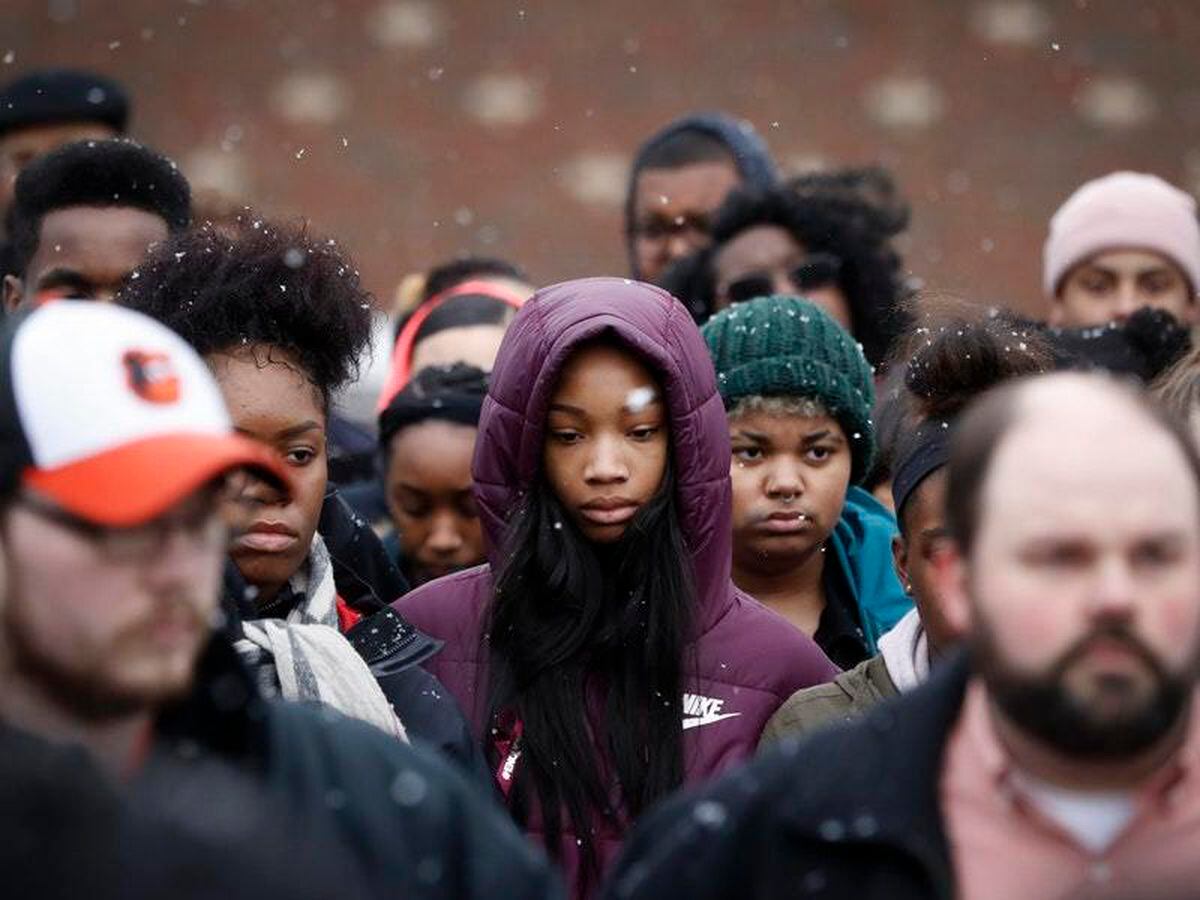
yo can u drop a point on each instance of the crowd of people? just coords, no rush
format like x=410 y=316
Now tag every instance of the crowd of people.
x=760 y=572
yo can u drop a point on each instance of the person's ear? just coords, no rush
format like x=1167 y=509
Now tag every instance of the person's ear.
x=14 y=291
x=900 y=561
x=951 y=582
x=1191 y=315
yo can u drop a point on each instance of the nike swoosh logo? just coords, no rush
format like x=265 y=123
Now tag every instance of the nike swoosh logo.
x=697 y=721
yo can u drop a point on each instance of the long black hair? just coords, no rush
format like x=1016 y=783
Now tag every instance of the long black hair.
x=571 y=621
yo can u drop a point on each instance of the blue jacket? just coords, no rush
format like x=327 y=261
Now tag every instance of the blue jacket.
x=862 y=544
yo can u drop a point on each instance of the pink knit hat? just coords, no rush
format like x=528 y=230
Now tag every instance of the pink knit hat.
x=1124 y=209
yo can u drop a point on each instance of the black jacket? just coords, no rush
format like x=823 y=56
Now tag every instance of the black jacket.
x=411 y=824
x=68 y=830
x=850 y=812
x=367 y=580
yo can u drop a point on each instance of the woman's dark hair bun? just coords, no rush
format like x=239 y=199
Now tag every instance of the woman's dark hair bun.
x=957 y=351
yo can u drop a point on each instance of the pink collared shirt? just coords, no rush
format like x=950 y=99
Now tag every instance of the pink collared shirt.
x=1003 y=847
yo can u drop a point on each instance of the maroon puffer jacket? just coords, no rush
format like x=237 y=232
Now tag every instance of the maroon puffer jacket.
x=748 y=659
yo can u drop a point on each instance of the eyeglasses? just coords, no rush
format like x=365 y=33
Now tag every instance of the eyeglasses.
x=200 y=519
x=816 y=270
x=695 y=227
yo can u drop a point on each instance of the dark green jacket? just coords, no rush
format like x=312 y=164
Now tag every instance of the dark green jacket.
x=846 y=697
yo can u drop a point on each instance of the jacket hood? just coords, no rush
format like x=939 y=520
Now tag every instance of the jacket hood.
x=749 y=151
x=659 y=329
x=862 y=543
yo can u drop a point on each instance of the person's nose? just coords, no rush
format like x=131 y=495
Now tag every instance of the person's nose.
x=1128 y=301
x=1114 y=590
x=679 y=245
x=254 y=491
x=181 y=555
x=444 y=537
x=785 y=479
x=782 y=283
x=606 y=463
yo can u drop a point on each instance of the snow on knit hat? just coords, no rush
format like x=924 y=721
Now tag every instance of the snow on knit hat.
x=1124 y=209
x=789 y=347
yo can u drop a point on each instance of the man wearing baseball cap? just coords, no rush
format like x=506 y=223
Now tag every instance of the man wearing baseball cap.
x=1121 y=243
x=115 y=457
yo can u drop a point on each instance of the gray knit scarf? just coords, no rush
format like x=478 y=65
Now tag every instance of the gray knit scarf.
x=305 y=657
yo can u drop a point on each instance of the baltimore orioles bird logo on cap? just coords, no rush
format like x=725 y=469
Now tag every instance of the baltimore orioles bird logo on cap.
x=151 y=376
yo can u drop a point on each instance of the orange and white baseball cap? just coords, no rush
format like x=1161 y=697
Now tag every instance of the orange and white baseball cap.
x=112 y=415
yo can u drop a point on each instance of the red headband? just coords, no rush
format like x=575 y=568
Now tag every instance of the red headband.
x=402 y=353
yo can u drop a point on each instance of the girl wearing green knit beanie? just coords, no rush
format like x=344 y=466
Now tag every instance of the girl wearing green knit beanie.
x=798 y=393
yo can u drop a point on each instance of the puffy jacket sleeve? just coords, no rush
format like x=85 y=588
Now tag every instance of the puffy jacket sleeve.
x=452 y=610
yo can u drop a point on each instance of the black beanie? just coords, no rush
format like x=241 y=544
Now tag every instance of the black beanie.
x=439 y=393
x=63 y=95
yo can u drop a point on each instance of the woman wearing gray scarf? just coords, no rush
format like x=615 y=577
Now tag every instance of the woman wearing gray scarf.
x=280 y=318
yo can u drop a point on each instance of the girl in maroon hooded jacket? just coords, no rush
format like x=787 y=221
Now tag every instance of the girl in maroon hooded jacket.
x=603 y=654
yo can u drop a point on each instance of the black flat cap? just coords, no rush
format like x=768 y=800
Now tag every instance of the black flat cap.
x=62 y=95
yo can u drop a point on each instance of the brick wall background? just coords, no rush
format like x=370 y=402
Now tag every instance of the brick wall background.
x=416 y=129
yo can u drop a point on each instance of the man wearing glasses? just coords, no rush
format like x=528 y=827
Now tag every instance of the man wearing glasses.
x=680 y=176
x=113 y=531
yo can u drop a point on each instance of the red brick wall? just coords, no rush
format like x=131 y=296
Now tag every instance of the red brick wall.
x=413 y=129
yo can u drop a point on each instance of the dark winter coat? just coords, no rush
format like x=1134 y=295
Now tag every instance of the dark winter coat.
x=69 y=830
x=367 y=581
x=851 y=811
x=747 y=659
x=409 y=821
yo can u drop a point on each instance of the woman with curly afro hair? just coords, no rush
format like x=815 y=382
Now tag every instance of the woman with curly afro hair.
x=826 y=236
x=281 y=319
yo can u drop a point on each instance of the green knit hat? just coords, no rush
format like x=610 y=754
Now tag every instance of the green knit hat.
x=789 y=347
